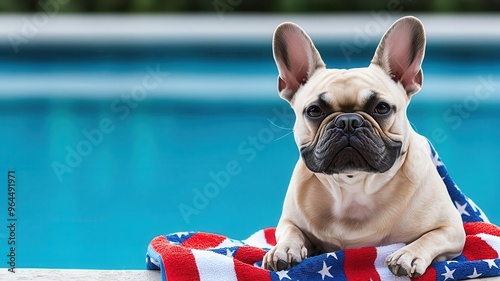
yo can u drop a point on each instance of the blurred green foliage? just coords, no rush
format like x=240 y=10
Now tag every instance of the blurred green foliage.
x=277 y=6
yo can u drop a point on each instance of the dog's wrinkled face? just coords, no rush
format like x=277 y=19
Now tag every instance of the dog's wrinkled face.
x=352 y=120
x=348 y=122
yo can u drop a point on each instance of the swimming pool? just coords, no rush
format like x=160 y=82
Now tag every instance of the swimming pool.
x=114 y=144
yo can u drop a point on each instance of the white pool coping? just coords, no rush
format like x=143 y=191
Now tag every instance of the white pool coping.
x=214 y=28
x=209 y=27
x=79 y=275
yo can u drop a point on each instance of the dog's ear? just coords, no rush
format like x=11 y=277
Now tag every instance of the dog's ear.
x=401 y=51
x=296 y=58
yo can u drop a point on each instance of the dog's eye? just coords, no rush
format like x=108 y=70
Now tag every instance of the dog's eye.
x=382 y=108
x=314 y=111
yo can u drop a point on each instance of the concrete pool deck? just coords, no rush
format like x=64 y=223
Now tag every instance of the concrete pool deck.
x=80 y=275
x=96 y=275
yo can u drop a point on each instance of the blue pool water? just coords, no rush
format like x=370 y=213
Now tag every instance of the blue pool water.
x=102 y=168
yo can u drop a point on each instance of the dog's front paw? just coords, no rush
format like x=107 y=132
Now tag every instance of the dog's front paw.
x=284 y=255
x=404 y=262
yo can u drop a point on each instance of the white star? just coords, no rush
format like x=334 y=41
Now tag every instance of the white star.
x=461 y=208
x=180 y=234
x=491 y=263
x=472 y=204
x=283 y=274
x=478 y=210
x=333 y=254
x=448 y=274
x=448 y=262
x=325 y=271
x=483 y=216
x=229 y=253
x=475 y=274
x=436 y=160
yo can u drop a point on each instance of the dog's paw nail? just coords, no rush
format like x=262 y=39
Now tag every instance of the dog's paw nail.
x=414 y=275
x=397 y=269
x=281 y=265
x=303 y=252
x=401 y=271
x=394 y=268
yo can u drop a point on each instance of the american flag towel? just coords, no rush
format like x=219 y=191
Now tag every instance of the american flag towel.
x=206 y=257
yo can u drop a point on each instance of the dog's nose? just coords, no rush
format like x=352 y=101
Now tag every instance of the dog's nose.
x=349 y=122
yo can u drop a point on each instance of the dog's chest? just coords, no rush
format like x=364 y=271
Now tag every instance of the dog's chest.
x=352 y=223
x=354 y=205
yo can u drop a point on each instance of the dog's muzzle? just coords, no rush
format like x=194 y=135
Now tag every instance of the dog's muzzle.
x=349 y=122
x=350 y=143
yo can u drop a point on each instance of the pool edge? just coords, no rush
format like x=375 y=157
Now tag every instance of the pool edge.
x=79 y=274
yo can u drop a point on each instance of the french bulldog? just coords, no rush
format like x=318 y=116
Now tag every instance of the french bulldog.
x=364 y=176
